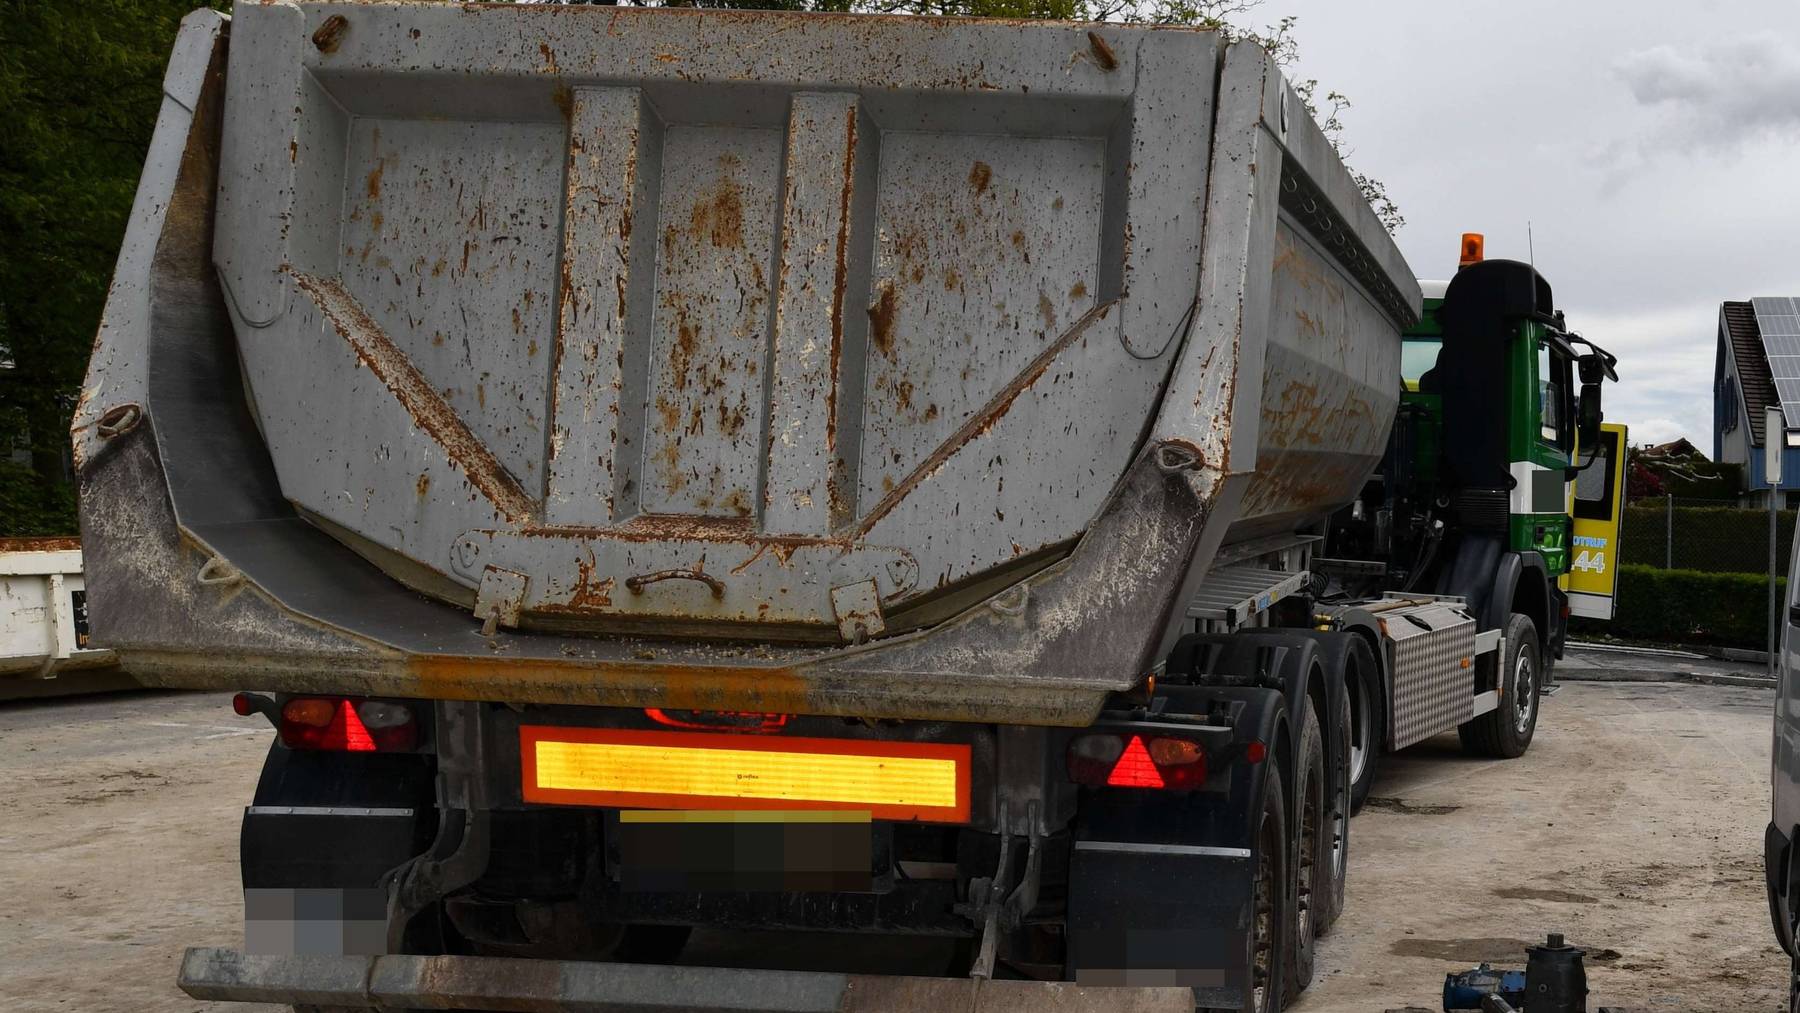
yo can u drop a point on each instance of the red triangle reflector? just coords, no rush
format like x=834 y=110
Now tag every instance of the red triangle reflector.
x=1135 y=769
x=348 y=726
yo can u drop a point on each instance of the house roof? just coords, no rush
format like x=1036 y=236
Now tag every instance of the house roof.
x=1678 y=447
x=1754 y=380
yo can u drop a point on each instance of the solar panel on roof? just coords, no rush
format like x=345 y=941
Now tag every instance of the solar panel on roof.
x=1778 y=320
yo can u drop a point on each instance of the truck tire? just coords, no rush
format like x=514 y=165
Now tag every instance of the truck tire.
x=1334 y=843
x=1505 y=732
x=1269 y=910
x=1311 y=877
x=1368 y=720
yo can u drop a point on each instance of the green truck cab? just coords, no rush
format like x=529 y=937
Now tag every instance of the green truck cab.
x=1480 y=494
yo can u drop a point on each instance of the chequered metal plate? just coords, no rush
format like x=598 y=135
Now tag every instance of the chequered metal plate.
x=1433 y=657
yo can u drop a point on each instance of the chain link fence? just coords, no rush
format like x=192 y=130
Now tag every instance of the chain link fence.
x=1712 y=536
x=1696 y=572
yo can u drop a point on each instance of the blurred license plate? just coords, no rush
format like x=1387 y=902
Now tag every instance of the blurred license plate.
x=672 y=850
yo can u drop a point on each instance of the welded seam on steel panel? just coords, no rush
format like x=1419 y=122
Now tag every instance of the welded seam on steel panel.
x=435 y=417
x=984 y=419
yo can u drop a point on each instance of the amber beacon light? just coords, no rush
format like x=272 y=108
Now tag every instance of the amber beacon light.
x=1472 y=245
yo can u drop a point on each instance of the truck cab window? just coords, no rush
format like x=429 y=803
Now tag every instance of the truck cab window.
x=1555 y=413
x=1547 y=396
x=1416 y=356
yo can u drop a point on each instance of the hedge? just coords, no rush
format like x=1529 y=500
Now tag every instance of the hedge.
x=1718 y=539
x=1689 y=607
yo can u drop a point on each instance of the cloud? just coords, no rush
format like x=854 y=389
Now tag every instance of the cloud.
x=1724 y=93
x=1665 y=368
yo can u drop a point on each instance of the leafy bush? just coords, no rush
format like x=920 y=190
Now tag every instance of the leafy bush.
x=1689 y=607
x=31 y=506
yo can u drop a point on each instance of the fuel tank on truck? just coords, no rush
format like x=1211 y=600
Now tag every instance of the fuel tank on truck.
x=877 y=366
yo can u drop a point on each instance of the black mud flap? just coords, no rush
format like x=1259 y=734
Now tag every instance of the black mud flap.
x=1150 y=915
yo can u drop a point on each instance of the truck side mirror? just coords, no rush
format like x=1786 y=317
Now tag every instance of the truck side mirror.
x=1587 y=415
x=1592 y=368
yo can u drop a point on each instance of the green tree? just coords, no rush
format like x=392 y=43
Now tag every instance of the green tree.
x=83 y=82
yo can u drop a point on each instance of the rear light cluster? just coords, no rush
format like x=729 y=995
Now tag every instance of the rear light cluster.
x=1129 y=760
x=348 y=724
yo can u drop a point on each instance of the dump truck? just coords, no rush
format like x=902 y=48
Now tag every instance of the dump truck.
x=680 y=468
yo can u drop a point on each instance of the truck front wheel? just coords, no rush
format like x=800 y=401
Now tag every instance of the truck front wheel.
x=1505 y=732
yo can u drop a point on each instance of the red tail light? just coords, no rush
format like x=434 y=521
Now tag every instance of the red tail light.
x=1127 y=760
x=754 y=722
x=348 y=724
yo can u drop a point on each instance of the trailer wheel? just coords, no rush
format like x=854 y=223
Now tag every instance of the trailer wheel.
x=1334 y=844
x=1505 y=732
x=1368 y=721
x=1269 y=911
x=1311 y=856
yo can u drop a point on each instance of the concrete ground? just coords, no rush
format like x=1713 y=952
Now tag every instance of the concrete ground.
x=1633 y=826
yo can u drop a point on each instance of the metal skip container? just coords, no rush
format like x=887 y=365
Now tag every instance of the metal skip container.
x=880 y=366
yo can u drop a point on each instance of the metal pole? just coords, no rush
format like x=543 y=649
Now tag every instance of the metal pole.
x=1775 y=441
x=1774 y=617
x=1669 y=532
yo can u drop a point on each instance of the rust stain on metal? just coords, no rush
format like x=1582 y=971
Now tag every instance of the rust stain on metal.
x=980 y=174
x=373 y=184
x=1300 y=416
x=1103 y=53
x=982 y=420
x=840 y=277
x=564 y=99
x=423 y=485
x=682 y=355
x=881 y=320
x=1281 y=488
x=330 y=35
x=782 y=551
x=589 y=595
x=719 y=217
x=1078 y=290
x=427 y=408
x=29 y=543
x=689 y=528
x=653 y=684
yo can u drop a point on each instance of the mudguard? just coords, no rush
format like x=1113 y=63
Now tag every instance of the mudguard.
x=1160 y=883
x=1329 y=647
x=1776 y=870
x=331 y=820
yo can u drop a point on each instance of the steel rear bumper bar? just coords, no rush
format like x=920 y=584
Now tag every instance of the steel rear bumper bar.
x=505 y=983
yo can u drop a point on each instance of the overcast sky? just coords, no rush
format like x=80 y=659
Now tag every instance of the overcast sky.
x=1654 y=147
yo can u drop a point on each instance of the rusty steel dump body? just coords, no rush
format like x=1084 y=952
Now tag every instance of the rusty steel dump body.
x=879 y=366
